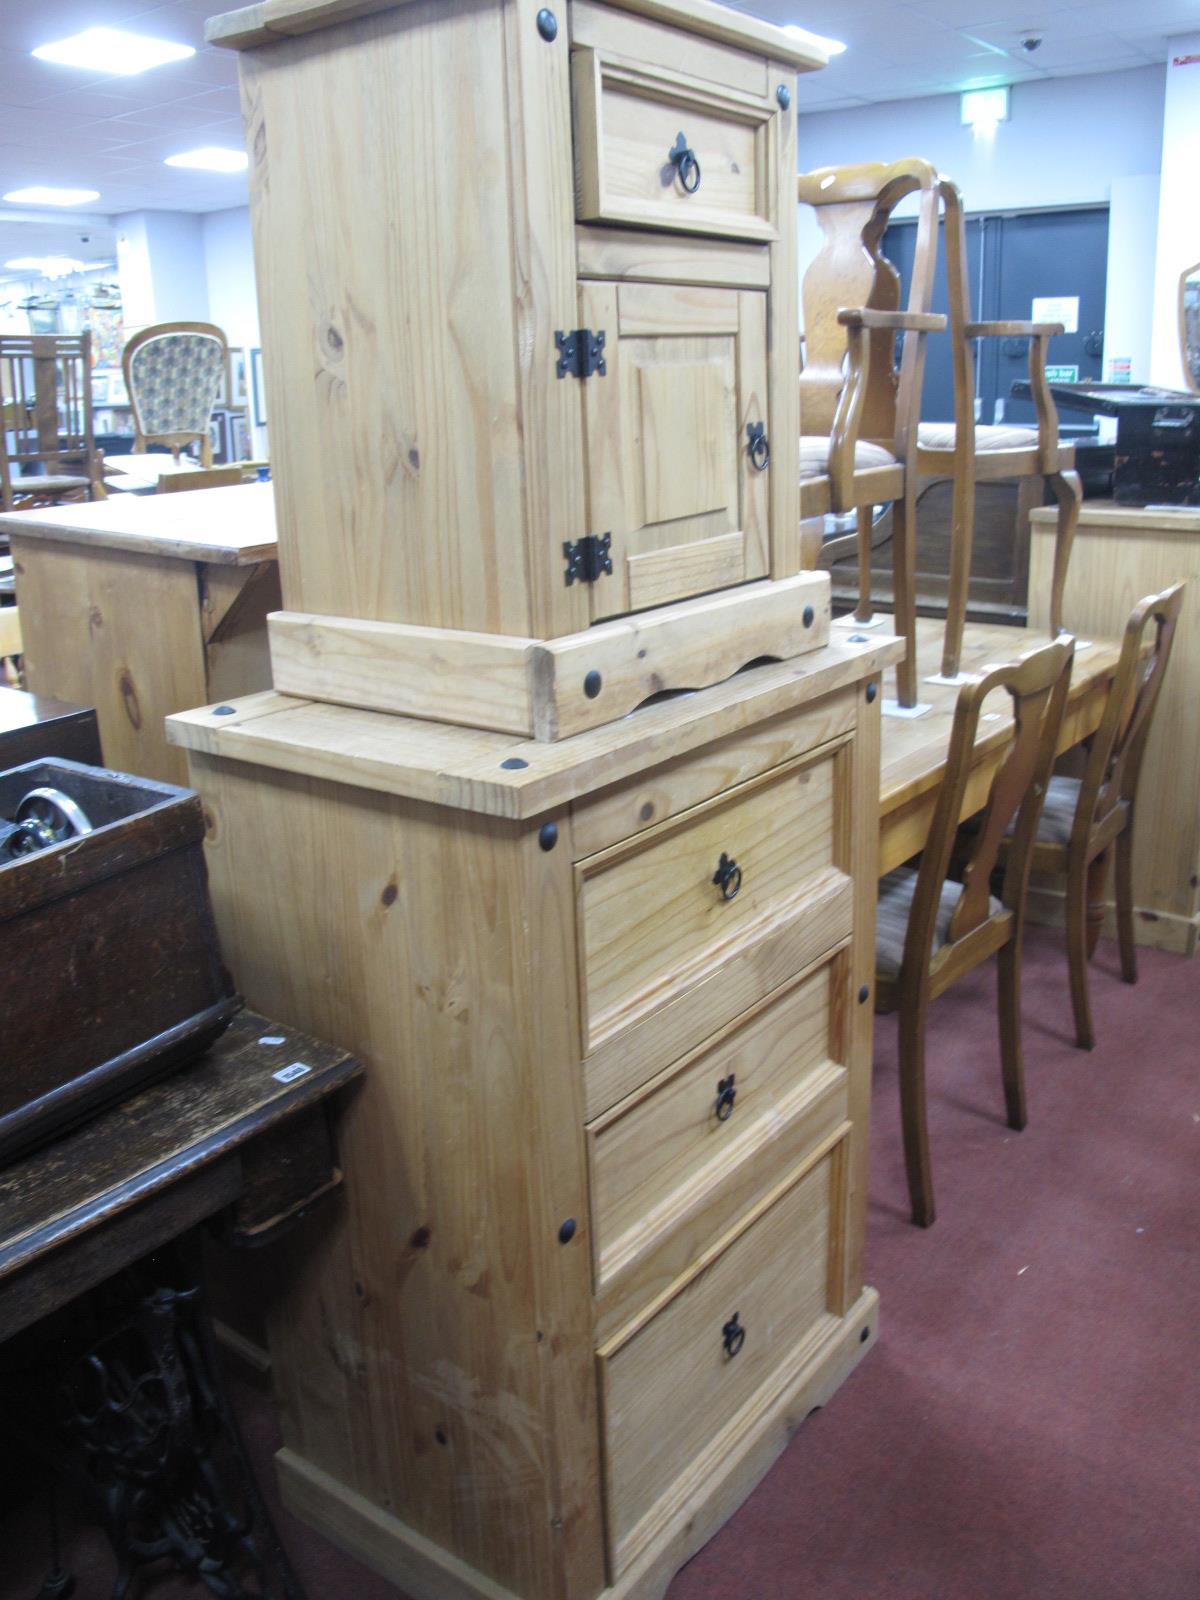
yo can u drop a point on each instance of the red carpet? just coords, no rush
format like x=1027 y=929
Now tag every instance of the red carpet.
x=1029 y=1424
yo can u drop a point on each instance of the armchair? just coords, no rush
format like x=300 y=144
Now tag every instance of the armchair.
x=970 y=453
x=858 y=410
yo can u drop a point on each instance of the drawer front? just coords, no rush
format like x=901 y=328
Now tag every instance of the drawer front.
x=733 y=1335
x=723 y=1124
x=653 y=797
x=663 y=911
x=629 y=119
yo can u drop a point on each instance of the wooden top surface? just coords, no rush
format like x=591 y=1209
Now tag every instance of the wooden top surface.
x=172 y=1129
x=270 y=20
x=227 y=527
x=1133 y=519
x=913 y=752
x=504 y=775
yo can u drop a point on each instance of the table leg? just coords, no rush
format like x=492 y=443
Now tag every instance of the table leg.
x=130 y=1404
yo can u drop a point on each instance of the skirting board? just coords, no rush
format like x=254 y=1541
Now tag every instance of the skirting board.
x=547 y=689
x=424 y=1570
x=1156 y=930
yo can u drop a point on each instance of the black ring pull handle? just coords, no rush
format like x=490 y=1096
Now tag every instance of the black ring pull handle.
x=685 y=163
x=758 y=446
x=726 y=1095
x=733 y=1336
x=728 y=877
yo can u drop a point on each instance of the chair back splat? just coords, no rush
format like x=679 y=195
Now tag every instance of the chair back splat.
x=1037 y=687
x=1119 y=743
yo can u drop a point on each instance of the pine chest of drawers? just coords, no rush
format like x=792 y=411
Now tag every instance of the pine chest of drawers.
x=600 y=1250
x=528 y=287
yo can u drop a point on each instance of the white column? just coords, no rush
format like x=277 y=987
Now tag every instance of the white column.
x=1178 y=240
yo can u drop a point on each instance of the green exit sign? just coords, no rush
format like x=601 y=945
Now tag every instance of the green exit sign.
x=1062 y=374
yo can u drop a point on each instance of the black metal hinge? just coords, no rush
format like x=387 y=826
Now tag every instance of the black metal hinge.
x=580 y=353
x=587 y=558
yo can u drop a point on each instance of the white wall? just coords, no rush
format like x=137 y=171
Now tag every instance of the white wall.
x=232 y=299
x=1129 y=318
x=1065 y=142
x=1178 y=239
x=160 y=264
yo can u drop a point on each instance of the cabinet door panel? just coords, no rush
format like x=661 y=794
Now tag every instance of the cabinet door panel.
x=670 y=478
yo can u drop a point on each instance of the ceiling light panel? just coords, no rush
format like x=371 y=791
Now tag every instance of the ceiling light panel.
x=40 y=195
x=212 y=158
x=102 y=51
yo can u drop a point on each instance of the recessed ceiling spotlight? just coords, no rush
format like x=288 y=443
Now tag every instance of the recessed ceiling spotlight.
x=110 y=50
x=212 y=158
x=39 y=195
x=831 y=47
x=44 y=266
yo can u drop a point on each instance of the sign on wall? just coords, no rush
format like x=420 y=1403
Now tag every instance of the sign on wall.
x=1062 y=308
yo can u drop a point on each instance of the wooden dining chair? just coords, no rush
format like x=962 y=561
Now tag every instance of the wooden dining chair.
x=49 y=451
x=858 y=410
x=174 y=372
x=931 y=930
x=1085 y=820
x=971 y=453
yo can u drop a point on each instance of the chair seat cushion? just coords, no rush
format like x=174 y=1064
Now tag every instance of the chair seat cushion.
x=896 y=892
x=992 y=436
x=1058 y=810
x=814 y=455
x=51 y=483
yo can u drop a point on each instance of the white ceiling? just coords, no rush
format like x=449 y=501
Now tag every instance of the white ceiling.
x=69 y=128
x=898 y=51
x=62 y=126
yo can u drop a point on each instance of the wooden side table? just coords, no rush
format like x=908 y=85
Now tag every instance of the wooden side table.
x=110 y=1212
x=143 y=607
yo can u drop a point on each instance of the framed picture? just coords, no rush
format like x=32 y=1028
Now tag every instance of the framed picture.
x=239 y=437
x=218 y=437
x=260 y=394
x=236 y=393
x=99 y=388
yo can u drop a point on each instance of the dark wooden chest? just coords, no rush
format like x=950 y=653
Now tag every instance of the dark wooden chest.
x=111 y=971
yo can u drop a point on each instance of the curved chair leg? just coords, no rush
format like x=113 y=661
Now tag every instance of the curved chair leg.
x=904 y=587
x=864 y=519
x=1012 y=1061
x=1068 y=491
x=1123 y=884
x=962 y=538
x=1097 y=876
x=1077 y=951
x=913 y=1118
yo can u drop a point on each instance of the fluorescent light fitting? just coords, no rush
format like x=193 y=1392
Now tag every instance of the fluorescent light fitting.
x=831 y=47
x=982 y=107
x=44 y=266
x=41 y=196
x=212 y=158
x=110 y=50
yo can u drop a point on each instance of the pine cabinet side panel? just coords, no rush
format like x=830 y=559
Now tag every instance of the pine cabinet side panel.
x=432 y=1343
x=544 y=271
x=380 y=202
x=783 y=335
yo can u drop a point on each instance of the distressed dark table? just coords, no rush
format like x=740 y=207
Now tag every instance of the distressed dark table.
x=241 y=1140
